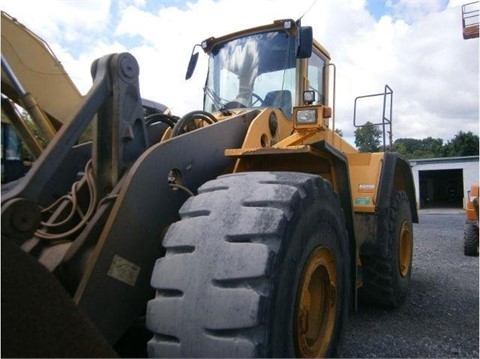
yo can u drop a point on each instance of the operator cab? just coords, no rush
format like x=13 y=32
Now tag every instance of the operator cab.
x=269 y=66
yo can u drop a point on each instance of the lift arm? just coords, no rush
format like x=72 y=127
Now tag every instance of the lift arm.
x=121 y=138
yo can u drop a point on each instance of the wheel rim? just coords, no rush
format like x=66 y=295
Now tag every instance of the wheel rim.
x=317 y=304
x=405 y=250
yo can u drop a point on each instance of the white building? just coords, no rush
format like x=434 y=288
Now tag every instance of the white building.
x=444 y=182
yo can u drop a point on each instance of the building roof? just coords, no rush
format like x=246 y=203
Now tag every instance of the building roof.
x=445 y=159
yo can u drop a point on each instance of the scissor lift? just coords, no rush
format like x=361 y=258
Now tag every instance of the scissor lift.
x=470 y=14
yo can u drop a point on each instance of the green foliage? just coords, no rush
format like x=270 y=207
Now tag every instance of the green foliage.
x=414 y=148
x=367 y=138
x=463 y=144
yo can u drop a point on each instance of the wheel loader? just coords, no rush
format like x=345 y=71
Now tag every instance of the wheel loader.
x=470 y=25
x=470 y=230
x=246 y=229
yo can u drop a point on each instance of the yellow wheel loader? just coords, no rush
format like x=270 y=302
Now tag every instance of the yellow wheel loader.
x=248 y=228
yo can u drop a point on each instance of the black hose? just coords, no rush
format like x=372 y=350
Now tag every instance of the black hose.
x=198 y=114
x=161 y=117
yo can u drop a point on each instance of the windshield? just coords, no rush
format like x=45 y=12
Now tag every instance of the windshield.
x=252 y=71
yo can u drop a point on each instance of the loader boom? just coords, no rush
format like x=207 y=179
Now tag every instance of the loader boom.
x=34 y=64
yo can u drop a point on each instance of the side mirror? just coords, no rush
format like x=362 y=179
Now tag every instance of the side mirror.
x=305 y=43
x=192 y=64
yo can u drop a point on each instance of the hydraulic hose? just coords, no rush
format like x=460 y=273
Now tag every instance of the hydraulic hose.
x=189 y=117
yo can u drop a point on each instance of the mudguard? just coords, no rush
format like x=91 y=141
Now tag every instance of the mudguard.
x=395 y=174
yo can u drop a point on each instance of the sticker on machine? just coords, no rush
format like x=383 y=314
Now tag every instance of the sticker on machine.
x=124 y=270
x=366 y=188
x=362 y=201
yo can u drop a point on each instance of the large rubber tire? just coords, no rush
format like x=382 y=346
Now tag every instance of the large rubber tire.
x=244 y=266
x=470 y=247
x=386 y=281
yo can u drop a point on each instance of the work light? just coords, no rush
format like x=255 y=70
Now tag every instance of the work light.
x=306 y=116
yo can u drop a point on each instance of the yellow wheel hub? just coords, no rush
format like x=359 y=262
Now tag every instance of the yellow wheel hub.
x=405 y=250
x=317 y=304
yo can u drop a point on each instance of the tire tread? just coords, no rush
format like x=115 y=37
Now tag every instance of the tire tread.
x=470 y=247
x=379 y=273
x=241 y=278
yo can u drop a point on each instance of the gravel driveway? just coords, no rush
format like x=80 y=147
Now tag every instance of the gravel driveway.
x=440 y=318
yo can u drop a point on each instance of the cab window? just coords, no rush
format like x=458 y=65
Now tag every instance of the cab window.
x=316 y=75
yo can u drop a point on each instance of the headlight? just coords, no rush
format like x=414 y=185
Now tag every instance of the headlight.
x=306 y=117
x=309 y=97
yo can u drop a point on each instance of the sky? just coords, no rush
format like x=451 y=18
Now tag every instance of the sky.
x=413 y=46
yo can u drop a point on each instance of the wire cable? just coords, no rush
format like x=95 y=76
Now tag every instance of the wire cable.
x=72 y=198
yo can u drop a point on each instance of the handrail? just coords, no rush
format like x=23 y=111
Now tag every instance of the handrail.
x=331 y=64
x=385 y=120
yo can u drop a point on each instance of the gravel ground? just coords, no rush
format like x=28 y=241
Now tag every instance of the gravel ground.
x=440 y=318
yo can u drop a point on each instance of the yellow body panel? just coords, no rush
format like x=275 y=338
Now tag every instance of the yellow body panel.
x=259 y=135
x=365 y=170
x=472 y=209
x=339 y=143
x=287 y=151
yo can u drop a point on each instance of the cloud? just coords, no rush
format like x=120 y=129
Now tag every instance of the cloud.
x=441 y=76
x=57 y=20
x=412 y=11
x=416 y=47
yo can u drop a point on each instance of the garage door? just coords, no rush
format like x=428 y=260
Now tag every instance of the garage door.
x=441 y=188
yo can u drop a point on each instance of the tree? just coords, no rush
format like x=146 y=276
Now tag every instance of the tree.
x=367 y=138
x=413 y=148
x=432 y=146
x=463 y=144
